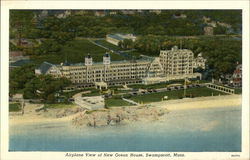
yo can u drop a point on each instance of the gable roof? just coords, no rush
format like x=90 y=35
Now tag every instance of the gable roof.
x=116 y=36
x=44 y=67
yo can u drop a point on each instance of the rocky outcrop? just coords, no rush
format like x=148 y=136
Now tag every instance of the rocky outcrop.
x=116 y=116
x=68 y=111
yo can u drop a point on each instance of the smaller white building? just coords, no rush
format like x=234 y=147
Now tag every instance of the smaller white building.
x=116 y=38
x=200 y=62
x=48 y=68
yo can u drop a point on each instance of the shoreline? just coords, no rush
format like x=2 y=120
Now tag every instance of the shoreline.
x=168 y=105
x=202 y=102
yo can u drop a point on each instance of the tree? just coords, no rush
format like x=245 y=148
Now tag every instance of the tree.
x=42 y=86
x=126 y=43
x=221 y=53
x=21 y=21
x=49 y=86
x=51 y=98
x=31 y=88
x=62 y=37
x=20 y=76
x=220 y=30
x=48 y=47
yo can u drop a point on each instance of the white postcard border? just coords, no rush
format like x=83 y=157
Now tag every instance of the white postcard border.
x=6 y=5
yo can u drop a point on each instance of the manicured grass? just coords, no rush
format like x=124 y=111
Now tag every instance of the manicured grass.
x=203 y=92
x=108 y=45
x=116 y=57
x=115 y=87
x=195 y=92
x=93 y=93
x=75 y=52
x=134 y=54
x=52 y=58
x=238 y=91
x=14 y=107
x=111 y=102
x=130 y=54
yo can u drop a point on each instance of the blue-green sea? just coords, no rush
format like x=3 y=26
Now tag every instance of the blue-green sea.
x=208 y=130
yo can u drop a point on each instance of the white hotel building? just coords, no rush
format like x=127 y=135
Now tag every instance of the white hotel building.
x=171 y=64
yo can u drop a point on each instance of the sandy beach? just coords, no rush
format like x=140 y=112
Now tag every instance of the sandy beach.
x=31 y=116
x=139 y=112
x=201 y=102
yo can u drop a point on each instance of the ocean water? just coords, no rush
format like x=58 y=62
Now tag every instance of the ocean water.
x=208 y=130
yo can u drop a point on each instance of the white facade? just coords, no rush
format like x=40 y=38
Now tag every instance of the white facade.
x=88 y=60
x=177 y=61
x=200 y=62
x=171 y=64
x=106 y=59
x=112 y=40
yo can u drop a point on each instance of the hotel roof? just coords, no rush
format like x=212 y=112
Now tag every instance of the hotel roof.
x=44 y=67
x=116 y=36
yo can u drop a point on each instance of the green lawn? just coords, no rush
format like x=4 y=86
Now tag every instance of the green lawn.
x=195 y=92
x=93 y=93
x=75 y=51
x=111 y=102
x=134 y=54
x=14 y=107
x=131 y=54
x=108 y=45
x=115 y=87
x=238 y=90
x=116 y=57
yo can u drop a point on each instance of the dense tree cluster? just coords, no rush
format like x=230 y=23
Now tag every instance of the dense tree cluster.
x=231 y=17
x=48 y=47
x=27 y=24
x=220 y=30
x=20 y=76
x=44 y=87
x=20 y=24
x=222 y=53
x=126 y=44
x=154 y=31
